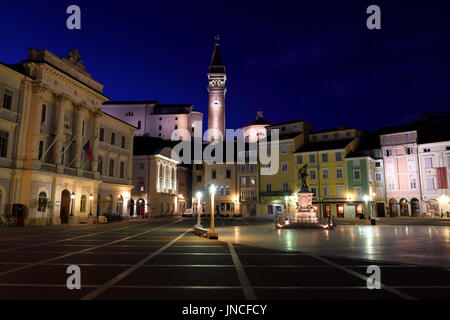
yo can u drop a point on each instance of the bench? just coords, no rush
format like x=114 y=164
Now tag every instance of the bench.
x=200 y=231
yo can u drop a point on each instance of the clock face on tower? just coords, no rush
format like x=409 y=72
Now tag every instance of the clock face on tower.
x=216 y=103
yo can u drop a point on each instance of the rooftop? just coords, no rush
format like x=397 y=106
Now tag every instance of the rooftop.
x=326 y=145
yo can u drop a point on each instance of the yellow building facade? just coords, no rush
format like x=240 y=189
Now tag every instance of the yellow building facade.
x=324 y=156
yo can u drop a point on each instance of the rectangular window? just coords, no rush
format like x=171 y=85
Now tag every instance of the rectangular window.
x=111 y=167
x=340 y=191
x=199 y=178
x=428 y=162
x=284 y=166
x=411 y=165
x=336 y=135
x=326 y=191
x=314 y=191
x=43 y=113
x=379 y=192
x=324 y=157
x=390 y=167
x=340 y=210
x=312 y=174
x=325 y=173
x=430 y=183
x=312 y=158
x=339 y=173
x=338 y=156
x=378 y=164
x=113 y=138
x=378 y=176
x=123 y=142
x=284 y=149
x=412 y=183
x=285 y=187
x=391 y=183
x=122 y=169
x=7 y=99
x=409 y=150
x=356 y=174
x=358 y=192
x=213 y=174
x=4 y=143
x=228 y=173
x=299 y=159
x=102 y=134
x=388 y=153
x=269 y=187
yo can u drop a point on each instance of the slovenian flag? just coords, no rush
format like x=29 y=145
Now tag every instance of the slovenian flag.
x=88 y=150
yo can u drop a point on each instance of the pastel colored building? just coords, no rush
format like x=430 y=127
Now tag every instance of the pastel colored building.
x=158 y=120
x=401 y=170
x=256 y=130
x=325 y=156
x=434 y=163
x=277 y=192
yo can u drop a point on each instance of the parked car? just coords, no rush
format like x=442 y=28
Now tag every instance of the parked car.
x=187 y=213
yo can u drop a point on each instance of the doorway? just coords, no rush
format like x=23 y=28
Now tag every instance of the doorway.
x=380 y=209
x=65 y=207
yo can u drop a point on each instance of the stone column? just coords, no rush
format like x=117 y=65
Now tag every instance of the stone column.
x=94 y=143
x=34 y=130
x=78 y=136
x=59 y=129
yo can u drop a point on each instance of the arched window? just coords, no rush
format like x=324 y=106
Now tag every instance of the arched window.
x=119 y=205
x=222 y=191
x=83 y=203
x=42 y=201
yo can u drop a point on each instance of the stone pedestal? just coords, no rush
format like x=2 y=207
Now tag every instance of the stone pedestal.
x=305 y=212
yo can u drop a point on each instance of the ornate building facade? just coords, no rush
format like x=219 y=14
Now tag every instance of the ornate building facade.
x=69 y=159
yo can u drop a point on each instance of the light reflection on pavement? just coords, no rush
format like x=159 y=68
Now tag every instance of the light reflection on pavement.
x=422 y=245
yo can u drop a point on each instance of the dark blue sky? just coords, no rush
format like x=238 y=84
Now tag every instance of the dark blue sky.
x=310 y=60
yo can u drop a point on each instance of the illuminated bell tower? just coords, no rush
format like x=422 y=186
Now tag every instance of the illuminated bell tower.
x=217 y=90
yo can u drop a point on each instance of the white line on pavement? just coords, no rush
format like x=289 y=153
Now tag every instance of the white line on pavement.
x=249 y=293
x=119 y=277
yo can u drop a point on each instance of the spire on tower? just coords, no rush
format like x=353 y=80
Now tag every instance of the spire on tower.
x=216 y=61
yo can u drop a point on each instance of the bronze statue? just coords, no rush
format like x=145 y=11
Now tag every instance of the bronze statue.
x=303 y=175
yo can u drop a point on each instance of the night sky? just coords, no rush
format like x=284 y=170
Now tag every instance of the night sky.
x=309 y=60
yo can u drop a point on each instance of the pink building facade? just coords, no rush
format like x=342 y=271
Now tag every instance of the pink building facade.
x=402 y=173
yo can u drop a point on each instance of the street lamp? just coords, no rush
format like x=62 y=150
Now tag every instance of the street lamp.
x=72 y=198
x=199 y=198
x=91 y=197
x=286 y=199
x=212 y=234
x=366 y=199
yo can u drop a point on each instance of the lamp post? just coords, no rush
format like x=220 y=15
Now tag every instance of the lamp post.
x=199 y=198
x=72 y=198
x=286 y=199
x=366 y=199
x=212 y=234
x=91 y=197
